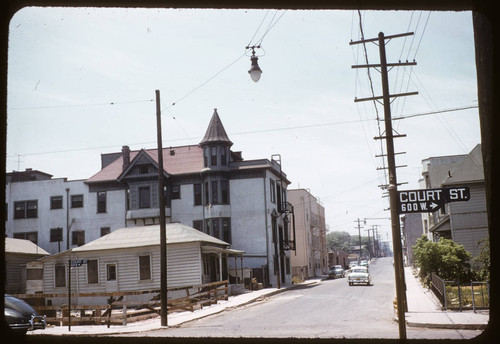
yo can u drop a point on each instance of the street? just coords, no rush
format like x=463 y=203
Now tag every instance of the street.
x=329 y=309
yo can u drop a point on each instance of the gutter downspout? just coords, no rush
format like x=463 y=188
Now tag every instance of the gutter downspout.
x=266 y=228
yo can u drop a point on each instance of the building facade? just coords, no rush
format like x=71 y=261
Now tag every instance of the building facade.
x=311 y=255
x=57 y=214
x=465 y=223
x=207 y=186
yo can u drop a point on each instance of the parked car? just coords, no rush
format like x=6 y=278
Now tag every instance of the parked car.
x=336 y=271
x=359 y=274
x=21 y=317
x=363 y=263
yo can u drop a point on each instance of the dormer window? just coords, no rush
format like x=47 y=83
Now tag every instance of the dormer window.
x=223 y=156
x=213 y=156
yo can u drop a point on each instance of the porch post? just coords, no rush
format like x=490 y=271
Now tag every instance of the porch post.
x=220 y=265
x=241 y=267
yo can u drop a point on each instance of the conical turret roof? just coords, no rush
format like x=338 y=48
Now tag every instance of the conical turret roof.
x=215 y=132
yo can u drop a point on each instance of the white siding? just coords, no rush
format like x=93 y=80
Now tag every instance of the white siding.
x=184 y=268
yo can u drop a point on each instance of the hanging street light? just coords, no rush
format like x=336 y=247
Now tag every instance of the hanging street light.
x=255 y=70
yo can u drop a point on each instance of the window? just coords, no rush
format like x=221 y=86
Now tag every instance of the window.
x=215 y=227
x=144 y=197
x=223 y=156
x=92 y=271
x=25 y=209
x=197 y=194
x=272 y=187
x=198 y=224
x=101 y=202
x=105 y=231
x=56 y=202
x=31 y=236
x=60 y=272
x=207 y=227
x=213 y=156
x=215 y=196
x=76 y=201
x=206 y=193
x=34 y=274
x=224 y=190
x=226 y=229
x=205 y=157
x=56 y=234
x=111 y=272
x=144 y=268
x=78 y=238
x=176 y=192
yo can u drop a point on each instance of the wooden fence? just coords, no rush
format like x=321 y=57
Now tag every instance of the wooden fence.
x=119 y=312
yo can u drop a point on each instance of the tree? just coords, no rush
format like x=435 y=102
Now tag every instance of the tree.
x=338 y=240
x=483 y=260
x=446 y=258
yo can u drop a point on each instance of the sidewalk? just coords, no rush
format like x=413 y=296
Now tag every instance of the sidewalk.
x=174 y=319
x=424 y=310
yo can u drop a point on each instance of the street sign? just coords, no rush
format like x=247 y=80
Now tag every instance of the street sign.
x=78 y=262
x=430 y=200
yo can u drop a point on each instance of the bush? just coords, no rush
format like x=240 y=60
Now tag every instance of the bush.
x=446 y=258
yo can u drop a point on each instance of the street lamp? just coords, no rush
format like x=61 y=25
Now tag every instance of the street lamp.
x=255 y=70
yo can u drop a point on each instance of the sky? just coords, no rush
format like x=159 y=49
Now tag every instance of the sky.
x=82 y=81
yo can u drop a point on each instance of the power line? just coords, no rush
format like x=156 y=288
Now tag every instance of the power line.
x=79 y=105
x=253 y=131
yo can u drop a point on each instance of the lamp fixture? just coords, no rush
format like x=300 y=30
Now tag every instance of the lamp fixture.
x=255 y=71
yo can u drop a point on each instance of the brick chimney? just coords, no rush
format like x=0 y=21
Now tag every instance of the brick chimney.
x=125 y=156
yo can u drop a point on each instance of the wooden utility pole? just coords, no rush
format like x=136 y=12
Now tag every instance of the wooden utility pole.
x=392 y=187
x=359 y=234
x=163 y=231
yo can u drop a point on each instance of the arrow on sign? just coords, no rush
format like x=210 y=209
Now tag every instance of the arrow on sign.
x=433 y=205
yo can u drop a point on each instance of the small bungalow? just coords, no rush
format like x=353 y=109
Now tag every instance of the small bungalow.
x=128 y=259
x=18 y=253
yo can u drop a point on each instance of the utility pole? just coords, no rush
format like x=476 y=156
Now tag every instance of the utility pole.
x=369 y=244
x=392 y=187
x=359 y=234
x=163 y=230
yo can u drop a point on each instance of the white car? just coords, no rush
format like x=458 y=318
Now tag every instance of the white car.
x=359 y=274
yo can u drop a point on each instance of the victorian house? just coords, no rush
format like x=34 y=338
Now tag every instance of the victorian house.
x=209 y=187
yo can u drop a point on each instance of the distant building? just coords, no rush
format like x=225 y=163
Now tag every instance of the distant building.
x=412 y=230
x=465 y=223
x=338 y=257
x=311 y=254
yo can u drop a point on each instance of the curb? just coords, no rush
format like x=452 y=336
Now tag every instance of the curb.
x=449 y=326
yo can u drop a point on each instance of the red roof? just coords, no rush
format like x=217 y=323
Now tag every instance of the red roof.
x=184 y=160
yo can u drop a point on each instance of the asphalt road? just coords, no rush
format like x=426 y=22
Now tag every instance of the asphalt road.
x=330 y=309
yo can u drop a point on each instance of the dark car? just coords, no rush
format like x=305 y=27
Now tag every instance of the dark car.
x=21 y=317
x=336 y=271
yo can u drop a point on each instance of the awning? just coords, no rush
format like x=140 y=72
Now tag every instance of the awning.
x=442 y=226
x=228 y=251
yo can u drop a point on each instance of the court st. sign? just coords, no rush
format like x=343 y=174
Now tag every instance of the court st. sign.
x=430 y=200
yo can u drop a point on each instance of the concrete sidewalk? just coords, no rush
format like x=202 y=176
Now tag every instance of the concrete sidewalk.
x=174 y=319
x=424 y=309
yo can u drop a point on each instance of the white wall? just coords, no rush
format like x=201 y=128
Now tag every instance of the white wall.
x=85 y=218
